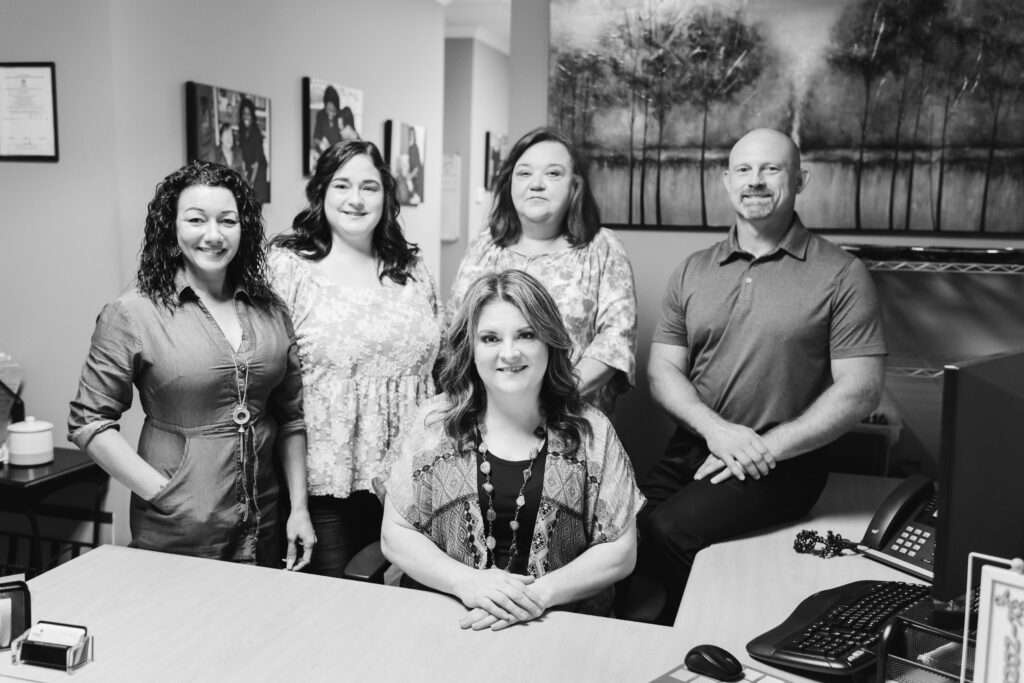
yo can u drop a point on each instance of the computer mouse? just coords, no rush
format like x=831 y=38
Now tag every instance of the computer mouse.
x=714 y=662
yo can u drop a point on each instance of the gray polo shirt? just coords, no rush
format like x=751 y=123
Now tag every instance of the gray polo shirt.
x=762 y=331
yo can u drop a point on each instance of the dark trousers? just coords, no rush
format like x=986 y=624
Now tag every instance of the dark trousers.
x=682 y=516
x=343 y=527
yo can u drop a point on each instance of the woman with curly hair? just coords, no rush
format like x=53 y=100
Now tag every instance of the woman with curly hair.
x=506 y=491
x=212 y=352
x=368 y=324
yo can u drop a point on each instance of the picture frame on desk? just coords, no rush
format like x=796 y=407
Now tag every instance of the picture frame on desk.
x=1000 y=625
x=28 y=112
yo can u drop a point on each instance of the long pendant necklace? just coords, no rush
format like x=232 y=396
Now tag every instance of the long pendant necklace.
x=491 y=515
x=240 y=415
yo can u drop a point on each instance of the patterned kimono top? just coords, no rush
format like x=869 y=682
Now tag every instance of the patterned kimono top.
x=593 y=287
x=589 y=495
x=367 y=355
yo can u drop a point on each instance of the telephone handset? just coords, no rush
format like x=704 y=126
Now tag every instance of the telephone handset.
x=902 y=532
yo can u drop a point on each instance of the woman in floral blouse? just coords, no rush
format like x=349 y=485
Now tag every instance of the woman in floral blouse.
x=505 y=491
x=368 y=326
x=545 y=221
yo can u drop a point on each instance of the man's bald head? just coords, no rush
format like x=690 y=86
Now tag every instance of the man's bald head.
x=771 y=141
x=764 y=176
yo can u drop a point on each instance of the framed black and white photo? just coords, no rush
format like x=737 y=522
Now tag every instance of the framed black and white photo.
x=496 y=145
x=28 y=111
x=331 y=113
x=230 y=128
x=404 y=146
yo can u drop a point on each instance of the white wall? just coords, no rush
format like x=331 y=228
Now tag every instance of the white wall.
x=70 y=231
x=476 y=101
x=530 y=36
x=58 y=234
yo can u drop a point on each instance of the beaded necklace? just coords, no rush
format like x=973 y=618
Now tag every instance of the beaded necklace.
x=491 y=515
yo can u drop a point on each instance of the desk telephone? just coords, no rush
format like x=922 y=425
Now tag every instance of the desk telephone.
x=902 y=532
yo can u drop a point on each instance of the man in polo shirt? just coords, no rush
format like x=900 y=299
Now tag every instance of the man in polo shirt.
x=768 y=348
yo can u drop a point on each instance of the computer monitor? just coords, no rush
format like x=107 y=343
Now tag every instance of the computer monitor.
x=981 y=467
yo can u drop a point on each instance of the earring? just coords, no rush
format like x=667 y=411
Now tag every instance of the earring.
x=175 y=251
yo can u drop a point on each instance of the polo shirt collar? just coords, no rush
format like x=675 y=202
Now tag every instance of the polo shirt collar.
x=794 y=243
x=184 y=291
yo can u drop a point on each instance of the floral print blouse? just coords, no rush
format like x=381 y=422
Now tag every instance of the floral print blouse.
x=589 y=495
x=592 y=285
x=367 y=356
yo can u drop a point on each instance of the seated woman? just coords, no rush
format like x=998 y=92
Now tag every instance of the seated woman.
x=506 y=491
x=212 y=352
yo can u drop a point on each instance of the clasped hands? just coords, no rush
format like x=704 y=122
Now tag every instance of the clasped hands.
x=736 y=451
x=497 y=599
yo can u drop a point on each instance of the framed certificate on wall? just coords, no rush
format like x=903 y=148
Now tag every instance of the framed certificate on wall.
x=28 y=111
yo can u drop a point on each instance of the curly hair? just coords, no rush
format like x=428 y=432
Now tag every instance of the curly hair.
x=559 y=395
x=160 y=258
x=310 y=236
x=582 y=220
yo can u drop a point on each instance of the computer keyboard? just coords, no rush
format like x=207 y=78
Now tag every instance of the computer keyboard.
x=836 y=631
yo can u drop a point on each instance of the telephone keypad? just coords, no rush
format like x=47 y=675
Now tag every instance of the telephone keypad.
x=913 y=541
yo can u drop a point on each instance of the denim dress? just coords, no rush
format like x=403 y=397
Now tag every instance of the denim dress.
x=222 y=495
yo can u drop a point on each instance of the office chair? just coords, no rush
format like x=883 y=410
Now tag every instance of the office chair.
x=368 y=565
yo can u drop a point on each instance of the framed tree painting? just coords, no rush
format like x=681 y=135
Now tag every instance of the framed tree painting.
x=332 y=113
x=404 y=146
x=232 y=128
x=909 y=113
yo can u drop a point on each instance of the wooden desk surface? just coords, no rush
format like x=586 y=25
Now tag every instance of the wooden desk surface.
x=740 y=589
x=159 y=617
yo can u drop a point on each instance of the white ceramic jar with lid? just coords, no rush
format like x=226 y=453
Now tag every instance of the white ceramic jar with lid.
x=30 y=442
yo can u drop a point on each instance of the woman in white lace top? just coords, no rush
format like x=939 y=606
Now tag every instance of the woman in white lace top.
x=368 y=325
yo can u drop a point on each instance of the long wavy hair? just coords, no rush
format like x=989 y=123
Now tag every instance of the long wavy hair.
x=310 y=236
x=582 y=219
x=160 y=257
x=559 y=395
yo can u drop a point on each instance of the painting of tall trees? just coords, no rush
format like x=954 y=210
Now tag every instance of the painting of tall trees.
x=909 y=113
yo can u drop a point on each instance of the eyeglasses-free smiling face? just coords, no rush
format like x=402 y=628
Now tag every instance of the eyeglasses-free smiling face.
x=354 y=201
x=209 y=230
x=509 y=356
x=542 y=182
x=764 y=175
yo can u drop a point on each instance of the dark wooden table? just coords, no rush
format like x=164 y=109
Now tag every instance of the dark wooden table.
x=23 y=490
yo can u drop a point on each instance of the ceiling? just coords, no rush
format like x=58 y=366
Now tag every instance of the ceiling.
x=485 y=20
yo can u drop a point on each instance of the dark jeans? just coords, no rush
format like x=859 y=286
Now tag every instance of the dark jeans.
x=343 y=527
x=682 y=516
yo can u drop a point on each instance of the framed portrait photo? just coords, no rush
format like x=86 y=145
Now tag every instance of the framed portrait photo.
x=496 y=145
x=404 y=145
x=28 y=111
x=231 y=128
x=331 y=113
